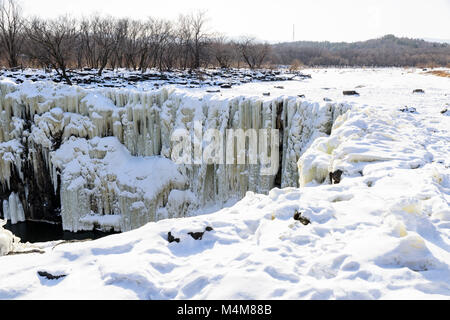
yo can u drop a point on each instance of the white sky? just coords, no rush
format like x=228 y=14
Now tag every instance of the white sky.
x=273 y=20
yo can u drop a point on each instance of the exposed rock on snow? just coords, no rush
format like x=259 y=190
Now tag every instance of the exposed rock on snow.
x=49 y=276
x=336 y=177
x=298 y=217
x=199 y=235
x=154 y=78
x=408 y=110
x=171 y=238
x=350 y=93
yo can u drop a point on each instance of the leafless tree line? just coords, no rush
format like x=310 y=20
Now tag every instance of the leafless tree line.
x=99 y=42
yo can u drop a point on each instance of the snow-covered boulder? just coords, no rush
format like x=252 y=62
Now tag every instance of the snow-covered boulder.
x=7 y=240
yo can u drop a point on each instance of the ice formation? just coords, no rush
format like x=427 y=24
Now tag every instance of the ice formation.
x=58 y=143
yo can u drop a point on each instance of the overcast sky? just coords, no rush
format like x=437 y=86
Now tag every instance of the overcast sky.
x=273 y=20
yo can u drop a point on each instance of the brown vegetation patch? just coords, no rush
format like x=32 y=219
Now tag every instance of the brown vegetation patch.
x=440 y=73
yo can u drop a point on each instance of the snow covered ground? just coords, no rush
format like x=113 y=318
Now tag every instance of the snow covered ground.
x=153 y=79
x=382 y=233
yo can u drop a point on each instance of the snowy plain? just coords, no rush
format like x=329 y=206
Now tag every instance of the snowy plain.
x=382 y=233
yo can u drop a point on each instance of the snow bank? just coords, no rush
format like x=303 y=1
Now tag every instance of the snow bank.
x=7 y=240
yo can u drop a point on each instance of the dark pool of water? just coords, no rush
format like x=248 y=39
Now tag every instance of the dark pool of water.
x=42 y=232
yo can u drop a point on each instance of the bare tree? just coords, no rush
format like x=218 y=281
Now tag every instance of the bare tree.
x=163 y=52
x=183 y=39
x=132 y=44
x=51 y=43
x=199 y=36
x=11 y=27
x=156 y=36
x=121 y=32
x=170 y=49
x=252 y=52
x=104 y=33
x=223 y=51
x=89 y=49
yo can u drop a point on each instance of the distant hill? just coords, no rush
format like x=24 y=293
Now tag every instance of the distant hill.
x=437 y=40
x=387 y=51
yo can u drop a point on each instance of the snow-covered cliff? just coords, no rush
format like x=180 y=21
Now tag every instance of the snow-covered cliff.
x=103 y=157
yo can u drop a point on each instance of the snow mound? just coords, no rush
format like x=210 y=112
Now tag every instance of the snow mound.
x=7 y=240
x=411 y=252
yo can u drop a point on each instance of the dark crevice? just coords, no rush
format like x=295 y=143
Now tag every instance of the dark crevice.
x=280 y=127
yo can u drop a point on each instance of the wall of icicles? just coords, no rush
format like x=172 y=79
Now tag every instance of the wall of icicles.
x=57 y=142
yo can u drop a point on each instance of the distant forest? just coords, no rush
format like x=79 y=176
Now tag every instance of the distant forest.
x=388 y=51
x=99 y=42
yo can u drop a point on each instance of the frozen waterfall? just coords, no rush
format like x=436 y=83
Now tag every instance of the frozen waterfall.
x=103 y=158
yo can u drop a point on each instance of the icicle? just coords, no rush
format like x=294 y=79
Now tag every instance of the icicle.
x=20 y=211
x=13 y=210
x=6 y=210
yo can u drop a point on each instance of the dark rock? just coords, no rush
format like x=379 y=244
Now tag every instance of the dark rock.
x=301 y=96
x=213 y=91
x=305 y=76
x=26 y=252
x=327 y=99
x=279 y=87
x=199 y=235
x=226 y=86
x=444 y=111
x=266 y=94
x=134 y=78
x=49 y=276
x=171 y=238
x=350 y=93
x=336 y=177
x=196 y=235
x=418 y=91
x=298 y=217
x=408 y=109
